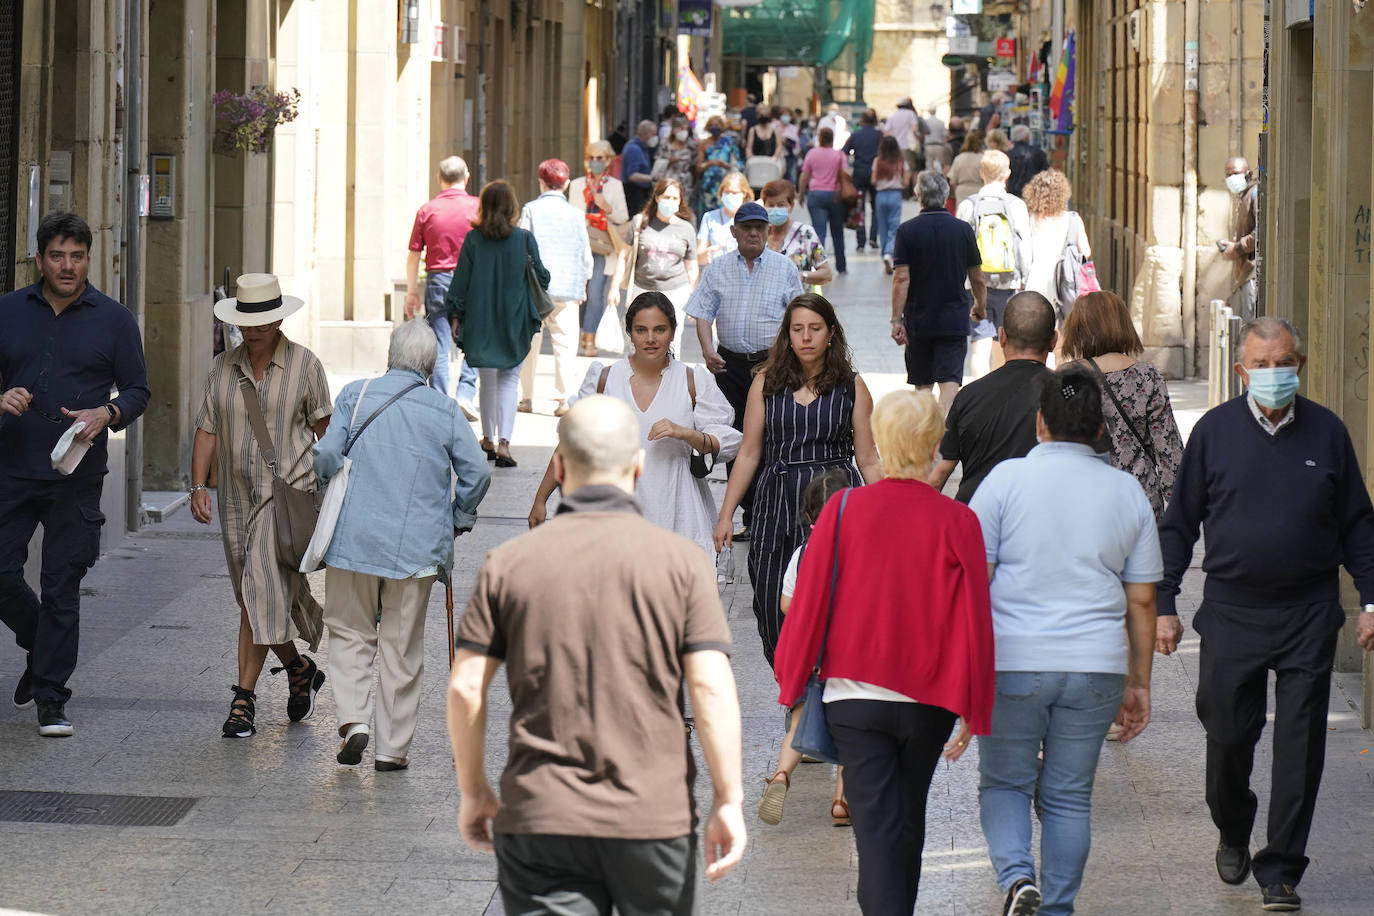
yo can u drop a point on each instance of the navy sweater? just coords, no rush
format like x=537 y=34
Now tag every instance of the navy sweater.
x=1280 y=513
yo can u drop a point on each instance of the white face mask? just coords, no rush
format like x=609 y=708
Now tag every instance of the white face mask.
x=680 y=136
x=1236 y=183
x=732 y=201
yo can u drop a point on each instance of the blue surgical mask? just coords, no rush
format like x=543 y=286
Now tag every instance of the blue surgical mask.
x=778 y=215
x=1275 y=387
x=786 y=119
x=714 y=131
x=666 y=211
x=731 y=201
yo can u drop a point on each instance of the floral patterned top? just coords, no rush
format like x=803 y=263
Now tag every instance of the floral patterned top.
x=803 y=247
x=681 y=163
x=1142 y=391
x=725 y=149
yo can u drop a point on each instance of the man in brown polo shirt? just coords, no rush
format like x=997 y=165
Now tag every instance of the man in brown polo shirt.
x=596 y=806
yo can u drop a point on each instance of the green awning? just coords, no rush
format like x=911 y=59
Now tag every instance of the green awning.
x=804 y=33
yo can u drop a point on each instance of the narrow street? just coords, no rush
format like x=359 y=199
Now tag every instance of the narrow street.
x=278 y=826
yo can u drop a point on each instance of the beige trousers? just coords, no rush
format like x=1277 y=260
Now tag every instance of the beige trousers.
x=357 y=639
x=563 y=327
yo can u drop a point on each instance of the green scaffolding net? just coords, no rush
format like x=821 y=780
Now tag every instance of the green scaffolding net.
x=804 y=33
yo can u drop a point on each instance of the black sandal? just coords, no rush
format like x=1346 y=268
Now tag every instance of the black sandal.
x=304 y=680
x=241 y=711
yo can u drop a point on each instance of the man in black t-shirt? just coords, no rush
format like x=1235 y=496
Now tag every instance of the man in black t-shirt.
x=931 y=316
x=993 y=419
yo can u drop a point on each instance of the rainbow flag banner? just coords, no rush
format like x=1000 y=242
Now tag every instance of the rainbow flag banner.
x=689 y=91
x=1061 y=95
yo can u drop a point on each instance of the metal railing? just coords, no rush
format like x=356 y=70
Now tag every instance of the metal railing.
x=1223 y=342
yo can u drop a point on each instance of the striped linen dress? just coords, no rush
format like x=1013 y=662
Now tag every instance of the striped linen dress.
x=295 y=395
x=799 y=442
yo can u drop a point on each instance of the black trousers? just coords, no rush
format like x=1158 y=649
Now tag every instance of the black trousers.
x=889 y=752
x=734 y=383
x=542 y=875
x=1240 y=645
x=48 y=629
x=868 y=202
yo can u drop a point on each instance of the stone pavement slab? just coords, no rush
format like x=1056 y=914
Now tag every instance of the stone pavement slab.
x=278 y=826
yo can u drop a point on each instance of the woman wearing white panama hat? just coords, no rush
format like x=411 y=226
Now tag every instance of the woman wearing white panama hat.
x=275 y=604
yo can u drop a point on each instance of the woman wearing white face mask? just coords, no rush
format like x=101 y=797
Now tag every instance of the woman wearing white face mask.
x=603 y=198
x=714 y=237
x=660 y=254
x=677 y=156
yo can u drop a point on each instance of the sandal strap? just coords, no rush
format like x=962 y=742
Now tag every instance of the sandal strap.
x=786 y=779
x=298 y=677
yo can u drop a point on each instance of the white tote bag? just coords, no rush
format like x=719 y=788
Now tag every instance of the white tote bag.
x=332 y=504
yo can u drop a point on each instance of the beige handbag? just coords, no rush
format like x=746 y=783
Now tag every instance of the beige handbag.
x=295 y=511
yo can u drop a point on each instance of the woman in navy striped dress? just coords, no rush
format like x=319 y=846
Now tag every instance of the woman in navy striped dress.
x=808 y=412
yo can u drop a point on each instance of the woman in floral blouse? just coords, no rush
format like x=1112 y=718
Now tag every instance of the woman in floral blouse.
x=678 y=154
x=798 y=241
x=717 y=156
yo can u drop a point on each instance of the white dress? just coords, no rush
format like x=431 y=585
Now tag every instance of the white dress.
x=670 y=496
x=1047 y=240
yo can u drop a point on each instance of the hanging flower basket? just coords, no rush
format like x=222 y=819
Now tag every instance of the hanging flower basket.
x=246 y=122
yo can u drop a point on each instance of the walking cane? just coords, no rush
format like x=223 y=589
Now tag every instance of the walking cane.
x=448 y=606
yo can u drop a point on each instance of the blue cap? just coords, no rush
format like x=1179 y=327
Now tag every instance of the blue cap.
x=751 y=212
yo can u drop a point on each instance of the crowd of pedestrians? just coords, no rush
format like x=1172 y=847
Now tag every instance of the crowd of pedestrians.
x=1025 y=611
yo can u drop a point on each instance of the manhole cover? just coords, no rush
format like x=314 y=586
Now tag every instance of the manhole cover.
x=98 y=810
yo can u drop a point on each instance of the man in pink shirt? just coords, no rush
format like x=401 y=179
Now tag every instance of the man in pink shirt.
x=440 y=227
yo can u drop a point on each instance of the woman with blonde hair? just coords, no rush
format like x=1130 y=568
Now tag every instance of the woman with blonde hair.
x=965 y=174
x=1053 y=228
x=714 y=237
x=892 y=597
x=603 y=199
x=1141 y=435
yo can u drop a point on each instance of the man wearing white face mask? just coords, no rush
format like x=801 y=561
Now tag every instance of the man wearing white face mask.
x=1275 y=480
x=1240 y=249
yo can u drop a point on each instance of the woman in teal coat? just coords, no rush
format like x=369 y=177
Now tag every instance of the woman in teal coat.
x=492 y=313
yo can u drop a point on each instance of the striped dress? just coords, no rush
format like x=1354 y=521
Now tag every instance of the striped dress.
x=294 y=395
x=799 y=442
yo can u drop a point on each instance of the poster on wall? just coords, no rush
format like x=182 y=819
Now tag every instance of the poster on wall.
x=694 y=17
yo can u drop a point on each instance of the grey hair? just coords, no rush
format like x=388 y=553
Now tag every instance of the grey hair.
x=932 y=188
x=599 y=435
x=1019 y=133
x=413 y=346
x=1268 y=328
x=453 y=170
x=644 y=126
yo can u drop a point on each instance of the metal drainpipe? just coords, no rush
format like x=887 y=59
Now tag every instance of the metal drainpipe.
x=133 y=236
x=1191 y=21
x=479 y=105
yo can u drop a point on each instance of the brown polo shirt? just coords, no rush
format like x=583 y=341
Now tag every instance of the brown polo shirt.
x=593 y=613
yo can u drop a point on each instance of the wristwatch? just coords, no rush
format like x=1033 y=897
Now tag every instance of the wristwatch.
x=113 y=413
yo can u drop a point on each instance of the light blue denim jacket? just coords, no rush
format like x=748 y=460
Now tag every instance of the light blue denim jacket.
x=396 y=518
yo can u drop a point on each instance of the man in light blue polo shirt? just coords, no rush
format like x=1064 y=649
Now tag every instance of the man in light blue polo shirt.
x=743 y=294
x=1073 y=553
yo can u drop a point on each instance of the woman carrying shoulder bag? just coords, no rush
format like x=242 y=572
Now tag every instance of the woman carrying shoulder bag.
x=492 y=313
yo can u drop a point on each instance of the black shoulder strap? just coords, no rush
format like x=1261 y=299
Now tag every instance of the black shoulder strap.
x=389 y=401
x=1125 y=417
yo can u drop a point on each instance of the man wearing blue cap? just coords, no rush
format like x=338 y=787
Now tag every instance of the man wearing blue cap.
x=744 y=294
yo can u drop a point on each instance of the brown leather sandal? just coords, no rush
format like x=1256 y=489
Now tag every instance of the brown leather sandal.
x=774 y=796
x=837 y=819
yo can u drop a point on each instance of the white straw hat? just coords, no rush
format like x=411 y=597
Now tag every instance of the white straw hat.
x=259 y=302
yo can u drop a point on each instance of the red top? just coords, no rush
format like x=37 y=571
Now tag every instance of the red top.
x=440 y=227
x=912 y=612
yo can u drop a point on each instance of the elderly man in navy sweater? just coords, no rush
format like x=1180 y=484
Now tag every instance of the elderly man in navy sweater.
x=1274 y=480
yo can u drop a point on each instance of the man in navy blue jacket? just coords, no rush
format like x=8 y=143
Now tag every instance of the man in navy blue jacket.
x=65 y=346
x=1275 y=482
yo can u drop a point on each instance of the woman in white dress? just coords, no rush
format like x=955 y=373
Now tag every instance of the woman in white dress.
x=681 y=413
x=1053 y=227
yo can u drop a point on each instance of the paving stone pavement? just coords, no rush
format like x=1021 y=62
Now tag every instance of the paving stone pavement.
x=278 y=826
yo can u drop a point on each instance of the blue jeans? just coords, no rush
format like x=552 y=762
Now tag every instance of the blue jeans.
x=595 y=305
x=827 y=210
x=436 y=290
x=1067 y=714
x=889 y=217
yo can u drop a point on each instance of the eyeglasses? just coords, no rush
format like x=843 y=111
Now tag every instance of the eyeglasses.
x=47 y=416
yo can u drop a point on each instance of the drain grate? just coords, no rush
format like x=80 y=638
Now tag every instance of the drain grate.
x=97 y=810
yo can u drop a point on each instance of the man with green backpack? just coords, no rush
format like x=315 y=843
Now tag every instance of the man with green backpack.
x=1002 y=225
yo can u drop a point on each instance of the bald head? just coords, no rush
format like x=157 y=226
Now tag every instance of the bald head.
x=1237 y=166
x=1028 y=325
x=598 y=442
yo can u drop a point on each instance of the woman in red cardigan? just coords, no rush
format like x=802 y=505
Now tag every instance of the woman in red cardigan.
x=910 y=648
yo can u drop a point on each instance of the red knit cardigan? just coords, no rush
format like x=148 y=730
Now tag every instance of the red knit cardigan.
x=912 y=612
